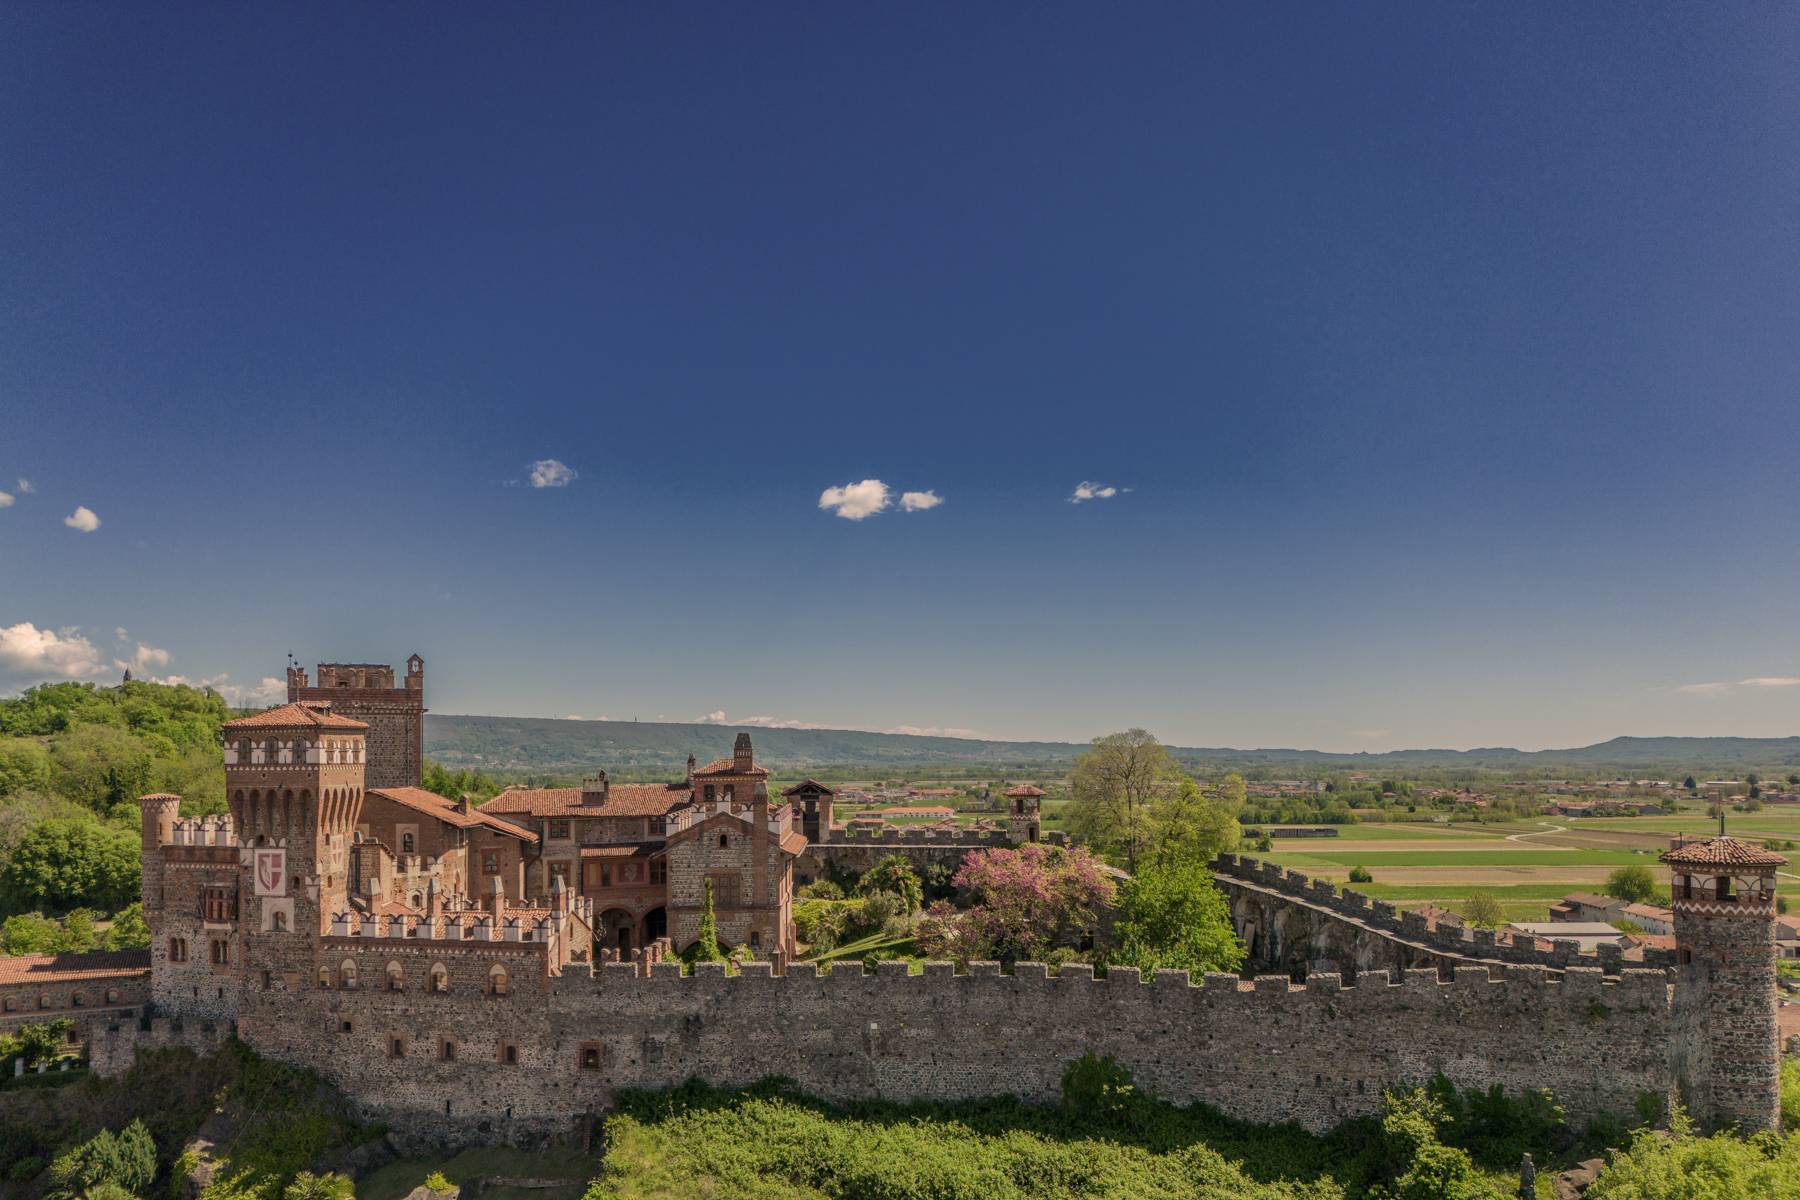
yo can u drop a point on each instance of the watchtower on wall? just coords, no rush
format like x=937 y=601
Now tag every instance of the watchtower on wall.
x=394 y=713
x=294 y=776
x=812 y=801
x=1728 y=1041
x=1023 y=821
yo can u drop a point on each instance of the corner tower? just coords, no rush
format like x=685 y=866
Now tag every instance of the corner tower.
x=1728 y=1041
x=1023 y=821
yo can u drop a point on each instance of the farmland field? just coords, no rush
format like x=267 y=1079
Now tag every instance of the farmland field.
x=1526 y=865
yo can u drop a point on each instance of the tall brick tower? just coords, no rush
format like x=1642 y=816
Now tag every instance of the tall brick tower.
x=294 y=776
x=1728 y=1042
x=394 y=714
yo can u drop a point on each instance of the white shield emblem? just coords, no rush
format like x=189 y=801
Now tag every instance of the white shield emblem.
x=271 y=872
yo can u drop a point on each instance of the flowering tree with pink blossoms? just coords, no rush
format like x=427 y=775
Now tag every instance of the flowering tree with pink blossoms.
x=1018 y=905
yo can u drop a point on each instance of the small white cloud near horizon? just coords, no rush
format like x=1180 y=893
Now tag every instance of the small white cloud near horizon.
x=949 y=731
x=1370 y=733
x=25 y=487
x=1711 y=690
x=717 y=717
x=144 y=660
x=82 y=518
x=919 y=501
x=6 y=499
x=1087 y=489
x=854 y=501
x=1770 y=681
x=30 y=653
x=551 y=473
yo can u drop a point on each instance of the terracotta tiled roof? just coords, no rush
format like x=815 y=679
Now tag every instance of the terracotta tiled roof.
x=807 y=783
x=1025 y=789
x=634 y=850
x=71 y=968
x=622 y=800
x=433 y=805
x=295 y=716
x=728 y=766
x=793 y=841
x=1722 y=852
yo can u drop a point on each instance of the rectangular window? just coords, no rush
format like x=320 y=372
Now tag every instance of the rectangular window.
x=659 y=871
x=559 y=829
x=490 y=862
x=217 y=904
x=221 y=953
x=605 y=874
x=560 y=870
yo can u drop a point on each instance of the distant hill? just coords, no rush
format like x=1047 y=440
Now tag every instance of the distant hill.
x=541 y=746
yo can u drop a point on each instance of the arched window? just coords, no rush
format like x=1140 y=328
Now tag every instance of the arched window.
x=724 y=841
x=509 y=1054
x=301 y=746
x=590 y=1057
x=406 y=843
x=347 y=973
x=77 y=1000
x=447 y=1052
x=43 y=1002
x=440 y=978
x=278 y=922
x=1724 y=887
x=325 y=978
x=8 y=1004
x=396 y=978
x=177 y=949
x=112 y=995
x=497 y=981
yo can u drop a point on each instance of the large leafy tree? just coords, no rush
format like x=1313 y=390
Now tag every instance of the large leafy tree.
x=1170 y=915
x=1022 y=904
x=1113 y=789
x=894 y=876
x=1633 y=884
x=62 y=864
x=1188 y=824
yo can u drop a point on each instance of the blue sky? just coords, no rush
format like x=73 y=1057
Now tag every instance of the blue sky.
x=1443 y=359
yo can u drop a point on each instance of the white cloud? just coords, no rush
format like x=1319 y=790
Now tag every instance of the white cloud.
x=919 y=501
x=34 y=654
x=6 y=499
x=82 y=518
x=551 y=473
x=717 y=717
x=25 y=486
x=854 y=501
x=1708 y=691
x=121 y=633
x=269 y=690
x=1370 y=733
x=950 y=731
x=1087 y=489
x=144 y=660
x=1771 y=681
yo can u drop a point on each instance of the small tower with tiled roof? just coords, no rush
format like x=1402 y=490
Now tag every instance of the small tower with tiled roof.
x=1023 y=818
x=1728 y=1033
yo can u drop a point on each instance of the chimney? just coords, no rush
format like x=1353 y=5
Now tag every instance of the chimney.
x=431 y=899
x=594 y=789
x=464 y=805
x=690 y=774
x=741 y=757
x=497 y=902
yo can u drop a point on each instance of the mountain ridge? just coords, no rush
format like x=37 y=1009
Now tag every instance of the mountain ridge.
x=548 y=745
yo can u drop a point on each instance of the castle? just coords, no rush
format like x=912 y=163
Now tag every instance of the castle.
x=497 y=973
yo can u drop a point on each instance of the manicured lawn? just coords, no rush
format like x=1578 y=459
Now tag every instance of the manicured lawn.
x=1526 y=855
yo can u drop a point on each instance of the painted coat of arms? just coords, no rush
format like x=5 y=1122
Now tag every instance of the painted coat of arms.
x=271 y=872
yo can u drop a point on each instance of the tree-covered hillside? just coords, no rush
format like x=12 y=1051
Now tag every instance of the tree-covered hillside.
x=74 y=758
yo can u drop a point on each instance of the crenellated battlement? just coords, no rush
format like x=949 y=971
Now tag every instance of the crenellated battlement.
x=895 y=836
x=1384 y=917
x=1630 y=989
x=203 y=831
x=469 y=926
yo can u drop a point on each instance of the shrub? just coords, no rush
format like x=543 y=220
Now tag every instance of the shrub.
x=437 y=1181
x=822 y=889
x=1680 y=1165
x=126 y=1159
x=1361 y=875
x=1094 y=1087
x=893 y=876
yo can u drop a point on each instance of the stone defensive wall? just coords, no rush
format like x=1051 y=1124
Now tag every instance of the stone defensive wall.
x=114 y=1048
x=538 y=1064
x=1294 y=923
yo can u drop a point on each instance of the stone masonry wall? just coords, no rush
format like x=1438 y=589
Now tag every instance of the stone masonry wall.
x=1265 y=1051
